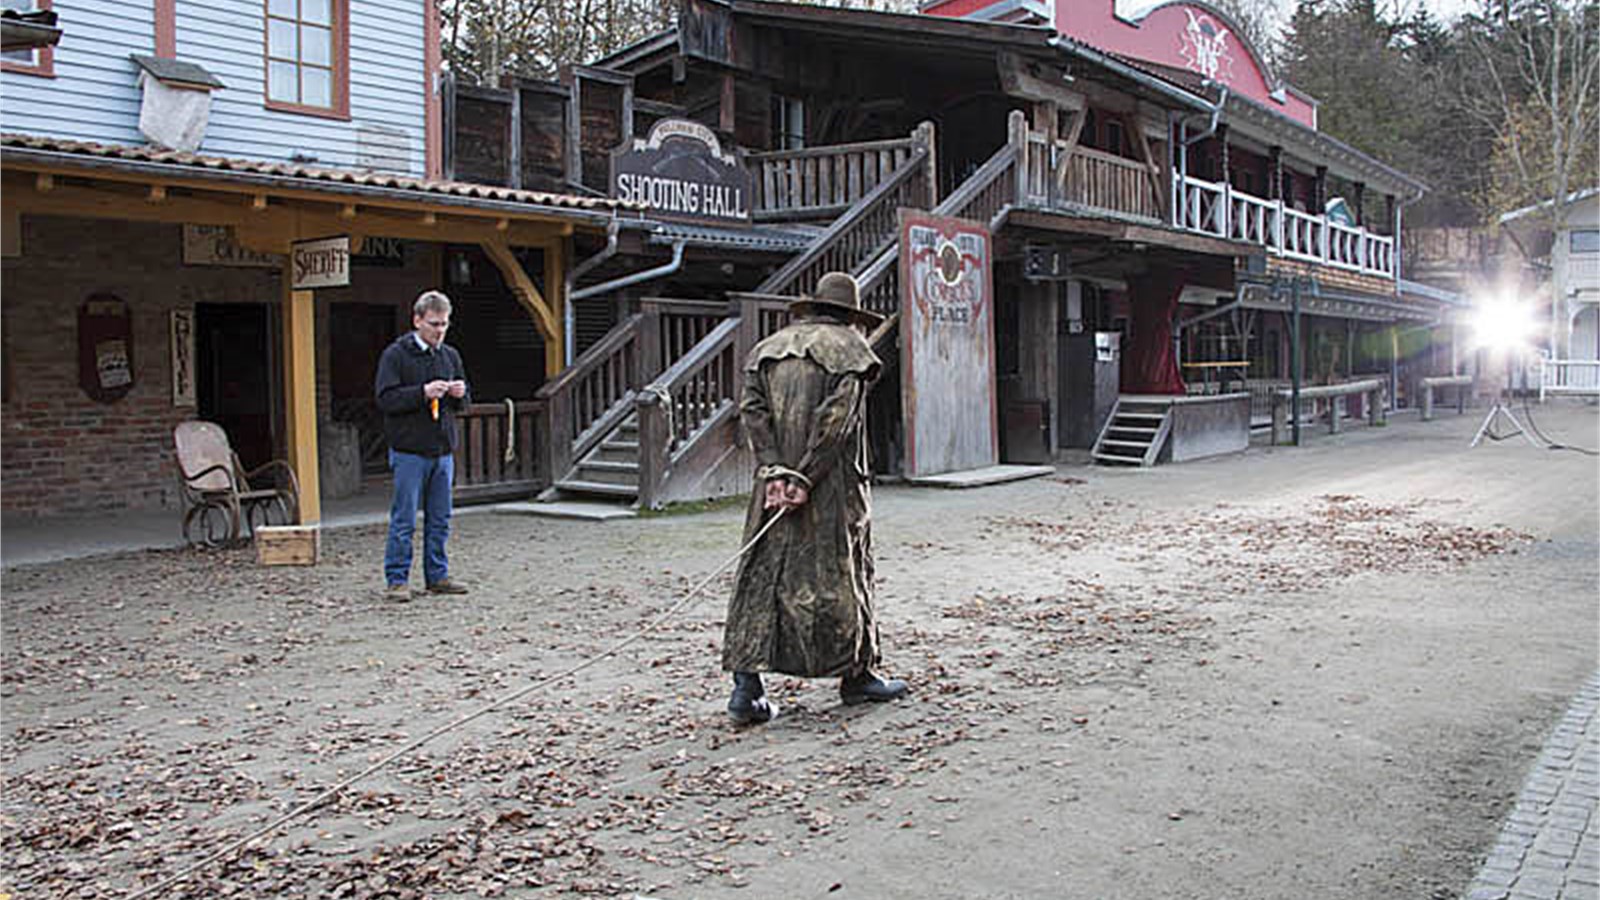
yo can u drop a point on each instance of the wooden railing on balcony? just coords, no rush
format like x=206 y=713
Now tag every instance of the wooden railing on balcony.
x=857 y=237
x=1104 y=181
x=821 y=182
x=1219 y=210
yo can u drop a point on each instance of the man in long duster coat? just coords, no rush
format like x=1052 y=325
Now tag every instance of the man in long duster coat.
x=803 y=597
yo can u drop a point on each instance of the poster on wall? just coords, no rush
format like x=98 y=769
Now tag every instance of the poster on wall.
x=182 y=335
x=105 y=347
x=947 y=361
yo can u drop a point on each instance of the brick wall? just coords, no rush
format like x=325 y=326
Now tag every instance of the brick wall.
x=62 y=452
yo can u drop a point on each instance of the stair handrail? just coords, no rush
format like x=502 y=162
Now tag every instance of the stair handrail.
x=801 y=273
x=669 y=420
x=970 y=195
x=990 y=185
x=567 y=439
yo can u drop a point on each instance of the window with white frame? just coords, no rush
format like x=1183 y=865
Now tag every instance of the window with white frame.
x=307 y=57
x=1585 y=240
x=29 y=60
x=788 y=123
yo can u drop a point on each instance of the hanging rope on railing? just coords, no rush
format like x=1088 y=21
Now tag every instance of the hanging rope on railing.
x=511 y=432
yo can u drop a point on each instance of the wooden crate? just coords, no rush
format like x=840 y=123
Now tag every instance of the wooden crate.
x=288 y=545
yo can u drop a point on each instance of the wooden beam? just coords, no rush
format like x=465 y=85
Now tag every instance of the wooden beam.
x=555 y=281
x=1019 y=79
x=157 y=194
x=268 y=230
x=300 y=394
x=527 y=293
x=44 y=183
x=259 y=202
x=347 y=211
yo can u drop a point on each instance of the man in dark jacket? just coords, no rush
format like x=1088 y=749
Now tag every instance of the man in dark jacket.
x=421 y=385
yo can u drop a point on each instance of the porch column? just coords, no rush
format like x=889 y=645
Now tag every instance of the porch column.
x=300 y=394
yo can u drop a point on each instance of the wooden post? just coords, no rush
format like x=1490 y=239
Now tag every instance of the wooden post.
x=1017 y=136
x=654 y=438
x=924 y=136
x=300 y=394
x=555 y=297
x=650 y=363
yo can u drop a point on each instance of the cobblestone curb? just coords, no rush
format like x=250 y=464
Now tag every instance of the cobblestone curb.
x=1549 y=846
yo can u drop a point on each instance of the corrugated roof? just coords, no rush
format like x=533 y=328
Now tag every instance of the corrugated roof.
x=18 y=147
x=770 y=238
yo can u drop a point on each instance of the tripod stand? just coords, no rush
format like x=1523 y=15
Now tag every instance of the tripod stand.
x=1500 y=411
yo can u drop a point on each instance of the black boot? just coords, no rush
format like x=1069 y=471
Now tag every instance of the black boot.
x=867 y=686
x=748 y=704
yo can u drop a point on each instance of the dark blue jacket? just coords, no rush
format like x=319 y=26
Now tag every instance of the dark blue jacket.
x=409 y=425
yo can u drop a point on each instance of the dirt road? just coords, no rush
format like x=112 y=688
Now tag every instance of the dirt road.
x=1312 y=673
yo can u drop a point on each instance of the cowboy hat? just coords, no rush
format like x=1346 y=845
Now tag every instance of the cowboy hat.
x=838 y=295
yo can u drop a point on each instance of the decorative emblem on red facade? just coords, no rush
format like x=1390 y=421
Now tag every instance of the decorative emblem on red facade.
x=1204 y=47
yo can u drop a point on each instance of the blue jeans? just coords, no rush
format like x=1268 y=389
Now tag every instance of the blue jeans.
x=425 y=481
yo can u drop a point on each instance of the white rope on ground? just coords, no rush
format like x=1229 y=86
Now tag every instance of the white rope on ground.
x=514 y=696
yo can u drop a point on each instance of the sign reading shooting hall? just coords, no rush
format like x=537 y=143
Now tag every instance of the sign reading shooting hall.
x=680 y=172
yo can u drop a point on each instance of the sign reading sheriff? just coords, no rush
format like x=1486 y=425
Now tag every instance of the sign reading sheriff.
x=320 y=263
x=681 y=172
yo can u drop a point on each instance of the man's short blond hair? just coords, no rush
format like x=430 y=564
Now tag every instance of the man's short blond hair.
x=430 y=301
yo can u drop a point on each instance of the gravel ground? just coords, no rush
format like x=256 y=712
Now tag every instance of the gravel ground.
x=1314 y=672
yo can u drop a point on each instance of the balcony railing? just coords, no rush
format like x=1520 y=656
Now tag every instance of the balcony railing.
x=1220 y=211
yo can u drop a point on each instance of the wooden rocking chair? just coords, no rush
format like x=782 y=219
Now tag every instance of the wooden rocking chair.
x=221 y=500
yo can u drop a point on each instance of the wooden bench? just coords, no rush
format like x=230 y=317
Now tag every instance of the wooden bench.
x=1462 y=384
x=1374 y=390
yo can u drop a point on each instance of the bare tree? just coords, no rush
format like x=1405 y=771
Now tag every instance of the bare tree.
x=1533 y=85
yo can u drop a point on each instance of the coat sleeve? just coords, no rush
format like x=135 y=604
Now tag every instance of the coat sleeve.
x=394 y=395
x=829 y=425
x=755 y=413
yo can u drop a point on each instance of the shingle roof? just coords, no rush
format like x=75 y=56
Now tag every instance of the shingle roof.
x=15 y=147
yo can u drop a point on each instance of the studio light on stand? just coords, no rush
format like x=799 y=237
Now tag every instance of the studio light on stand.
x=1505 y=327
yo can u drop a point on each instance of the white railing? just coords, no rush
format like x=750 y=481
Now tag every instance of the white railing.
x=1568 y=376
x=1254 y=220
x=1221 y=211
x=1583 y=271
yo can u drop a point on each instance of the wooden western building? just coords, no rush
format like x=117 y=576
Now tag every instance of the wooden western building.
x=1159 y=219
x=157 y=171
x=1166 y=221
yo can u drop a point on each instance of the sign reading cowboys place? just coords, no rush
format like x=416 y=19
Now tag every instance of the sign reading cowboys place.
x=947 y=364
x=680 y=172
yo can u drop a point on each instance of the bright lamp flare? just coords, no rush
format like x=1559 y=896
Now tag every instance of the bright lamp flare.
x=1503 y=324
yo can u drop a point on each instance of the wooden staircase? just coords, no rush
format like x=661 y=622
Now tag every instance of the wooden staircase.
x=611 y=469
x=1135 y=432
